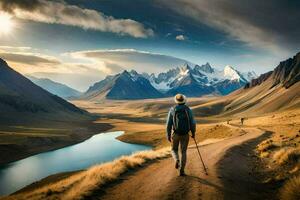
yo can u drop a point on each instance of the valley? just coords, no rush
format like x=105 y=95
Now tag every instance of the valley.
x=149 y=100
x=270 y=108
x=33 y=120
x=213 y=133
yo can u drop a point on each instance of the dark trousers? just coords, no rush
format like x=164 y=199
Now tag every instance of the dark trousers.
x=183 y=142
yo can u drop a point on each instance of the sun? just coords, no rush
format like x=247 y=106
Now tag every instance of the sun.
x=6 y=23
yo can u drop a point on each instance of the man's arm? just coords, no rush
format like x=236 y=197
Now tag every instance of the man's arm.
x=193 y=122
x=169 y=124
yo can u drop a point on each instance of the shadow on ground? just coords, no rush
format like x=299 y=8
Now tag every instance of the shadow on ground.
x=241 y=177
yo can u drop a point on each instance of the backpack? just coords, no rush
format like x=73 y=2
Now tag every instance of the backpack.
x=181 y=120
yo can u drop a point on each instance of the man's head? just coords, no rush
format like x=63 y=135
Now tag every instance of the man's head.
x=180 y=99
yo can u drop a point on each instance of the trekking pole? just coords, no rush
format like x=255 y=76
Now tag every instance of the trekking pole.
x=201 y=157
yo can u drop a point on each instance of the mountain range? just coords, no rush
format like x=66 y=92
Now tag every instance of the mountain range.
x=56 y=88
x=273 y=91
x=200 y=80
x=192 y=81
x=122 y=86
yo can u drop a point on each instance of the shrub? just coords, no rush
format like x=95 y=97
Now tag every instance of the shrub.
x=266 y=145
x=287 y=156
x=291 y=189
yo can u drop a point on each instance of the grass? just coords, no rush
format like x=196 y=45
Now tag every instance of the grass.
x=287 y=156
x=291 y=189
x=281 y=152
x=84 y=183
x=266 y=145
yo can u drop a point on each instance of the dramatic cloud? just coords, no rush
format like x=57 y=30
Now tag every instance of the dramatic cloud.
x=180 y=37
x=272 y=25
x=11 y=48
x=28 y=58
x=141 y=61
x=76 y=74
x=59 y=12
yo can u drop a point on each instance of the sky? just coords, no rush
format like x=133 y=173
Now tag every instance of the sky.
x=79 y=42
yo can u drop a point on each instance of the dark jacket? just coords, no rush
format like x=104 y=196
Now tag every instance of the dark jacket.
x=170 y=120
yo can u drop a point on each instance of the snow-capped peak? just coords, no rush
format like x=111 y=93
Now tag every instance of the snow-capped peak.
x=250 y=75
x=184 y=71
x=204 y=68
x=231 y=73
x=133 y=73
x=202 y=75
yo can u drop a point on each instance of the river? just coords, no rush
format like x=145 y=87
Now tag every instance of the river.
x=98 y=149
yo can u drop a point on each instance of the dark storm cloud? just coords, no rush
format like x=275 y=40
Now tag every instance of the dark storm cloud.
x=11 y=5
x=60 y=12
x=270 y=24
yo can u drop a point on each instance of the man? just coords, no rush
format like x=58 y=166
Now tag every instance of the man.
x=242 y=121
x=181 y=120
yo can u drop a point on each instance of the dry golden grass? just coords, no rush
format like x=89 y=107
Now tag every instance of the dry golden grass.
x=291 y=189
x=136 y=108
x=154 y=134
x=264 y=154
x=281 y=152
x=266 y=145
x=84 y=183
x=287 y=155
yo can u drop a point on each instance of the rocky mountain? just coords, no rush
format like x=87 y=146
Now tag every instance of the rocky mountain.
x=126 y=85
x=287 y=73
x=200 y=80
x=192 y=81
x=21 y=98
x=56 y=88
x=257 y=81
x=272 y=92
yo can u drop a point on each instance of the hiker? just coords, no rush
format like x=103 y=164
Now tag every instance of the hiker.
x=242 y=121
x=181 y=120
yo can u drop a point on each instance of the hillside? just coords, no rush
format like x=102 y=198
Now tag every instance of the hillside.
x=33 y=120
x=273 y=91
x=56 y=88
x=19 y=95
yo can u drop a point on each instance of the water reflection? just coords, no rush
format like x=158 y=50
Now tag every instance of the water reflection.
x=98 y=149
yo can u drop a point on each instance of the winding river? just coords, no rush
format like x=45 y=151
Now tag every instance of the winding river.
x=98 y=149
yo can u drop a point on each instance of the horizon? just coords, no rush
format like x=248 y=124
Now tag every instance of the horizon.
x=149 y=99
x=78 y=43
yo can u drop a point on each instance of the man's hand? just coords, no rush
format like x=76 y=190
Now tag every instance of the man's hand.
x=169 y=139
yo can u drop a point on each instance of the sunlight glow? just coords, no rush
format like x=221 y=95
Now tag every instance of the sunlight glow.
x=6 y=23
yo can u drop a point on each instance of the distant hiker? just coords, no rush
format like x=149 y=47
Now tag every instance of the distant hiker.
x=242 y=120
x=181 y=120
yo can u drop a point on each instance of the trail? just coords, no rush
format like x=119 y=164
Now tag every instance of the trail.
x=160 y=180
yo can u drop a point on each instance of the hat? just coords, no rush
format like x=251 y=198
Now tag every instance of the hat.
x=180 y=99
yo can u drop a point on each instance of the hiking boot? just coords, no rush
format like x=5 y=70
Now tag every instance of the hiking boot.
x=181 y=173
x=177 y=164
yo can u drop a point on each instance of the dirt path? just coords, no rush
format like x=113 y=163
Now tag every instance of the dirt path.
x=161 y=181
